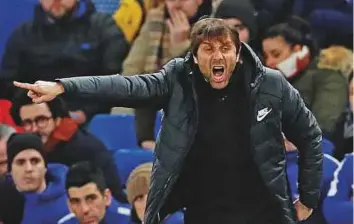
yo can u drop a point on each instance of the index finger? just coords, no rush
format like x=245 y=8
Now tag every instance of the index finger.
x=24 y=85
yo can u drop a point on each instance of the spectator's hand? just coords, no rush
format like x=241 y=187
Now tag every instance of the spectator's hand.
x=78 y=116
x=41 y=91
x=302 y=212
x=148 y=145
x=178 y=26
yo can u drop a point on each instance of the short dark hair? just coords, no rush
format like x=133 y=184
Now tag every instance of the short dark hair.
x=57 y=106
x=212 y=28
x=83 y=173
x=294 y=31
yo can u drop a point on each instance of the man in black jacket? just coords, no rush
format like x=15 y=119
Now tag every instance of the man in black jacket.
x=220 y=152
x=66 y=38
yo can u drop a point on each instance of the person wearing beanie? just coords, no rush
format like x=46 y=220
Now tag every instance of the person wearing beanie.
x=64 y=141
x=137 y=190
x=34 y=188
x=241 y=16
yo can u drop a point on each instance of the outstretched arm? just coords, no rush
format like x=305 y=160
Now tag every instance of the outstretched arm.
x=125 y=91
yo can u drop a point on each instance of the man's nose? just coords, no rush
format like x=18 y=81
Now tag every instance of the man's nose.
x=218 y=55
x=28 y=166
x=34 y=127
x=85 y=208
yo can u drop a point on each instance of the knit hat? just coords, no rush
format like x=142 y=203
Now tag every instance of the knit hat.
x=22 y=141
x=240 y=9
x=138 y=181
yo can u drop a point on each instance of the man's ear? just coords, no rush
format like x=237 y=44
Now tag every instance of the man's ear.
x=107 y=197
x=195 y=59
x=69 y=206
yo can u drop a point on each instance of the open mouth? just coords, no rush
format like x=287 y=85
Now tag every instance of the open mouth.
x=218 y=73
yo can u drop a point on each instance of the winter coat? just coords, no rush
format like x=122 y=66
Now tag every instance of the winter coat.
x=275 y=107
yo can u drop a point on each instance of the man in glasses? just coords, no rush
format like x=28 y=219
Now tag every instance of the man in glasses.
x=64 y=141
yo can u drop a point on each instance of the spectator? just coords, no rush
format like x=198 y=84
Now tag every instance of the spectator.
x=89 y=198
x=241 y=16
x=162 y=37
x=5 y=133
x=34 y=193
x=131 y=15
x=342 y=136
x=66 y=38
x=137 y=191
x=289 y=48
x=338 y=206
x=64 y=141
x=330 y=164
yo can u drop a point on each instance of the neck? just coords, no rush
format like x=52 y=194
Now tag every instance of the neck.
x=42 y=187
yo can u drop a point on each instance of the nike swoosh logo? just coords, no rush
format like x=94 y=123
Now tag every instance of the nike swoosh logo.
x=261 y=115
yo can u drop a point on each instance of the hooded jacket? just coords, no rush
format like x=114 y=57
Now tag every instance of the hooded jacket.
x=82 y=42
x=323 y=85
x=48 y=206
x=173 y=86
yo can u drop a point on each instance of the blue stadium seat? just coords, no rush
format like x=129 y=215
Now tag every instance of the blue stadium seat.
x=175 y=218
x=117 y=131
x=12 y=14
x=327 y=146
x=127 y=159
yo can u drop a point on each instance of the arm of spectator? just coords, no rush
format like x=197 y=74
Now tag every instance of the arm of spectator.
x=113 y=46
x=178 y=50
x=330 y=97
x=134 y=63
x=145 y=127
x=301 y=128
x=10 y=64
x=103 y=158
x=338 y=206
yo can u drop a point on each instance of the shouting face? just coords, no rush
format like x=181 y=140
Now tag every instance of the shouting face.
x=217 y=58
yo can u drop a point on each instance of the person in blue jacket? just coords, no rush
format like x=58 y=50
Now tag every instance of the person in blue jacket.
x=33 y=192
x=338 y=205
x=89 y=198
x=330 y=164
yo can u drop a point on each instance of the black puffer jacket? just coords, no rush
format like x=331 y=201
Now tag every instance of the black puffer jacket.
x=82 y=43
x=173 y=86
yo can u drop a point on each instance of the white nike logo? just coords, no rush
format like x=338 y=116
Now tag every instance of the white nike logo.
x=263 y=113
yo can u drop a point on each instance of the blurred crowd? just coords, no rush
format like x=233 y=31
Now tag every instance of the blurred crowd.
x=53 y=169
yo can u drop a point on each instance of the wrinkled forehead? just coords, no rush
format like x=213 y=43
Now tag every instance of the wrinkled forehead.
x=217 y=40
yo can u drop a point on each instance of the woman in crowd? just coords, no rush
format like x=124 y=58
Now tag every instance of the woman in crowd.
x=321 y=79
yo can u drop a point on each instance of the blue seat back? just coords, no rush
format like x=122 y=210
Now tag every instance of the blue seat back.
x=128 y=159
x=327 y=146
x=117 y=131
x=12 y=14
